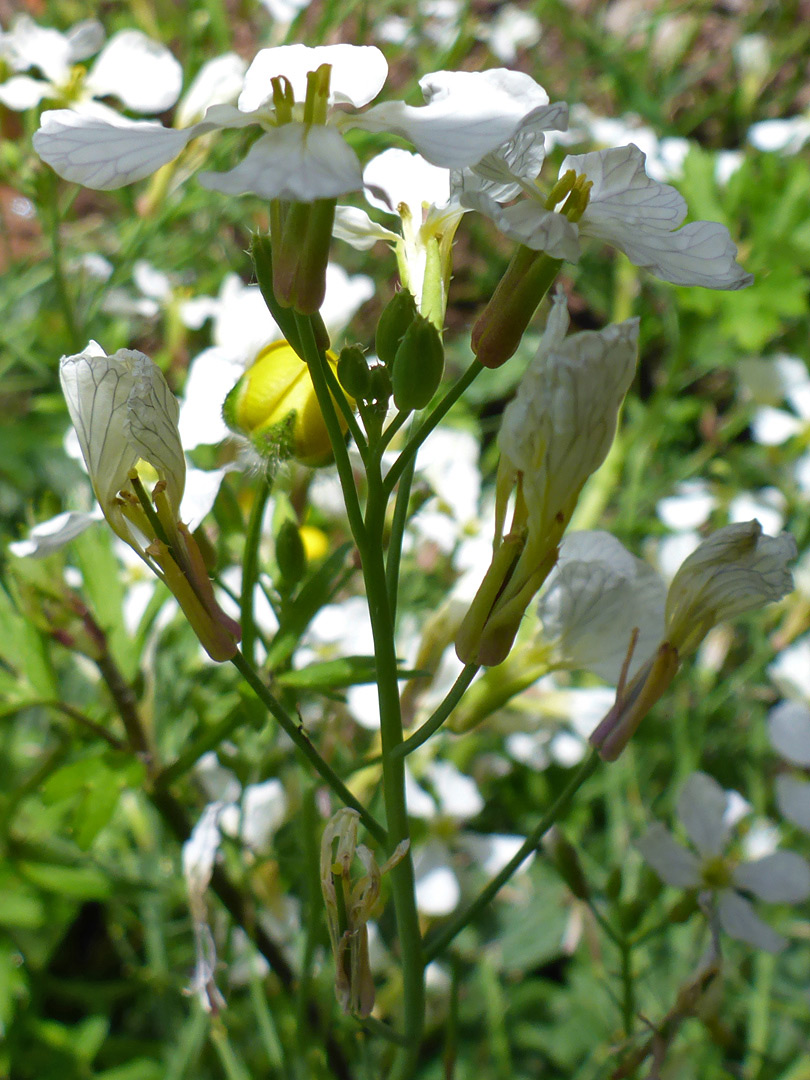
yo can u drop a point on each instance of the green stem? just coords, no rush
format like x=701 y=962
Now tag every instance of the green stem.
x=65 y=301
x=316 y=363
x=398 y=524
x=393 y=768
x=443 y=938
x=250 y=568
x=454 y=695
x=301 y=740
x=430 y=422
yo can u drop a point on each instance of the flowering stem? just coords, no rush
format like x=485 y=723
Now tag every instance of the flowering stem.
x=316 y=364
x=301 y=740
x=393 y=766
x=397 y=531
x=65 y=300
x=432 y=725
x=430 y=422
x=250 y=567
x=554 y=813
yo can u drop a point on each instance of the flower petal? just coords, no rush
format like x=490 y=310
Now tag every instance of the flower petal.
x=397 y=177
x=623 y=196
x=49 y=536
x=793 y=799
x=21 y=92
x=468 y=114
x=637 y=214
x=672 y=862
x=218 y=82
x=740 y=921
x=85 y=39
x=789 y=731
x=530 y=224
x=701 y=809
x=140 y=72
x=782 y=877
x=294 y=161
x=356 y=228
x=358 y=73
x=105 y=153
x=595 y=597
x=28 y=45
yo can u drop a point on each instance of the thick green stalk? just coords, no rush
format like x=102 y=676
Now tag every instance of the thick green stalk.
x=368 y=535
x=443 y=938
x=393 y=766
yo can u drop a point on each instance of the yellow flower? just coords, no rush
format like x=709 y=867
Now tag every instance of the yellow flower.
x=275 y=406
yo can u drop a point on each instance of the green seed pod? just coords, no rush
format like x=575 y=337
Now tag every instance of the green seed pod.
x=397 y=316
x=566 y=860
x=290 y=554
x=353 y=372
x=418 y=365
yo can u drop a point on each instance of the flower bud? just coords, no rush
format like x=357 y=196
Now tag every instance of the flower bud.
x=290 y=553
x=396 y=317
x=275 y=406
x=353 y=372
x=418 y=365
x=564 y=856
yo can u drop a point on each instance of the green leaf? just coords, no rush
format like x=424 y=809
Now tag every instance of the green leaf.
x=338 y=674
x=75 y=882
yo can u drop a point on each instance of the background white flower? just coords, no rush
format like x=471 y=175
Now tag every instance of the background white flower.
x=781 y=877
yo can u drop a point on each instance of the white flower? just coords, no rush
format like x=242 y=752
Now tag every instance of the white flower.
x=51 y=535
x=401 y=183
x=781 y=877
x=789 y=732
x=735 y=569
x=510 y=29
x=141 y=73
x=787 y=136
x=594 y=598
x=630 y=211
x=291 y=160
x=218 y=82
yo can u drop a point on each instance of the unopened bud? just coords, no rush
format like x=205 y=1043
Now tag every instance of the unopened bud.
x=290 y=553
x=396 y=317
x=353 y=372
x=274 y=404
x=565 y=859
x=418 y=365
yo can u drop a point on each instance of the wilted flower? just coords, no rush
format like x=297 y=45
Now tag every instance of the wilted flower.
x=125 y=417
x=554 y=434
x=199 y=853
x=781 y=877
x=349 y=906
x=732 y=571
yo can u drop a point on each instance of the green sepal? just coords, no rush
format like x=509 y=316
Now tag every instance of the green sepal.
x=396 y=317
